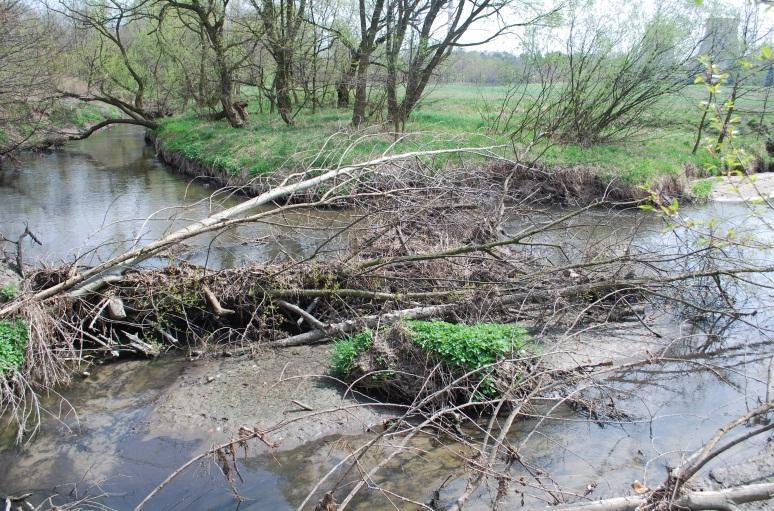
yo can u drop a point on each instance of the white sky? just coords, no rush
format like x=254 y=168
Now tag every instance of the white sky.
x=617 y=14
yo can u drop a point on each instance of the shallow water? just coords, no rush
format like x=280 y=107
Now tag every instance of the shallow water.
x=96 y=197
x=106 y=444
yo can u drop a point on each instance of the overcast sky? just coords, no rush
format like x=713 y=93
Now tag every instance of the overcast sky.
x=616 y=14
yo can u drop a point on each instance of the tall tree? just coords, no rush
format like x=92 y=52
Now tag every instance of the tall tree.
x=211 y=17
x=282 y=21
x=419 y=24
x=108 y=35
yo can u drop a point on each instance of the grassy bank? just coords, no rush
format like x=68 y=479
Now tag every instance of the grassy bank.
x=457 y=115
x=52 y=127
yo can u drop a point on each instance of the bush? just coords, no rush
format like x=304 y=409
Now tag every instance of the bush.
x=13 y=344
x=9 y=292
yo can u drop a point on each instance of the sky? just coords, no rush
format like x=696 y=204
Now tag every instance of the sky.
x=623 y=16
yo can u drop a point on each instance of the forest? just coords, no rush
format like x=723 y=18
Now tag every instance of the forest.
x=386 y=254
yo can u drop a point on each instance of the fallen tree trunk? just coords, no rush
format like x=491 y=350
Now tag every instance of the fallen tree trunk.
x=723 y=500
x=213 y=222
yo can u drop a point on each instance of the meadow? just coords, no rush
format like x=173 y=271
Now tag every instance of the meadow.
x=461 y=115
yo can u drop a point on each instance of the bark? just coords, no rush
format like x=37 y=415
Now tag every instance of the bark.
x=368 y=32
x=726 y=499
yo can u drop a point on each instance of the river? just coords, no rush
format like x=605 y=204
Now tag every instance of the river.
x=117 y=432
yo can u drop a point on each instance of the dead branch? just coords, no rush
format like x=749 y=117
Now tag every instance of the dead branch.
x=723 y=500
x=220 y=220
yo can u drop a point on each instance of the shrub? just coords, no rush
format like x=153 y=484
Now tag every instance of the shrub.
x=702 y=189
x=13 y=344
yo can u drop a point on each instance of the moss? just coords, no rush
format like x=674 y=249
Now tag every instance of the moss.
x=14 y=335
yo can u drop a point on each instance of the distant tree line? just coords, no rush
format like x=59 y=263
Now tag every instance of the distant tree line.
x=373 y=58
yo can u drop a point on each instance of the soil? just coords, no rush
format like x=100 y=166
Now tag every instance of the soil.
x=222 y=394
x=743 y=188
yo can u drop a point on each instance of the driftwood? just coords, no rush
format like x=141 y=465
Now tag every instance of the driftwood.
x=723 y=500
x=115 y=307
x=140 y=345
x=225 y=218
x=19 y=266
x=217 y=308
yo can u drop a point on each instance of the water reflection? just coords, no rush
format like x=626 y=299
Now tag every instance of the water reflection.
x=81 y=198
x=96 y=197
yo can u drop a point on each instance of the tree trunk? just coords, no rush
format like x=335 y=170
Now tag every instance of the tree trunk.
x=227 y=102
x=282 y=80
x=361 y=95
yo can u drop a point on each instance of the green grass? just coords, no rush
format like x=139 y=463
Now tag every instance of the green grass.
x=13 y=344
x=452 y=116
x=77 y=114
x=466 y=346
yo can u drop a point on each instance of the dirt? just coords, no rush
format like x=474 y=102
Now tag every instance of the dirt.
x=220 y=395
x=742 y=188
x=755 y=469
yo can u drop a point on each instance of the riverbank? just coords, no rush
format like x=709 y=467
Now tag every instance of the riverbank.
x=656 y=158
x=54 y=126
x=560 y=185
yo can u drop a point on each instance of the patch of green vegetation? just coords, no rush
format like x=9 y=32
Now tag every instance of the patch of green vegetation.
x=346 y=350
x=3 y=137
x=453 y=115
x=9 y=291
x=468 y=346
x=76 y=114
x=702 y=189
x=13 y=344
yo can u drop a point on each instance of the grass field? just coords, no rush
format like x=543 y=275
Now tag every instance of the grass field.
x=452 y=116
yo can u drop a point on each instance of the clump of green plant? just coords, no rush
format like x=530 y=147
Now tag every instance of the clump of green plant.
x=13 y=344
x=468 y=346
x=346 y=350
x=702 y=189
x=459 y=345
x=9 y=292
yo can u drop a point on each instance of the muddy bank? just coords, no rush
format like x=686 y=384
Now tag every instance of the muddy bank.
x=246 y=184
x=267 y=389
x=752 y=188
x=576 y=186
x=122 y=428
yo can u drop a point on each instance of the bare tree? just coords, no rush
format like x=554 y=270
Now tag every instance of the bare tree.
x=211 y=16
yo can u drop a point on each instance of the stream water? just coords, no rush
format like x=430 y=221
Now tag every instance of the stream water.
x=111 y=436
